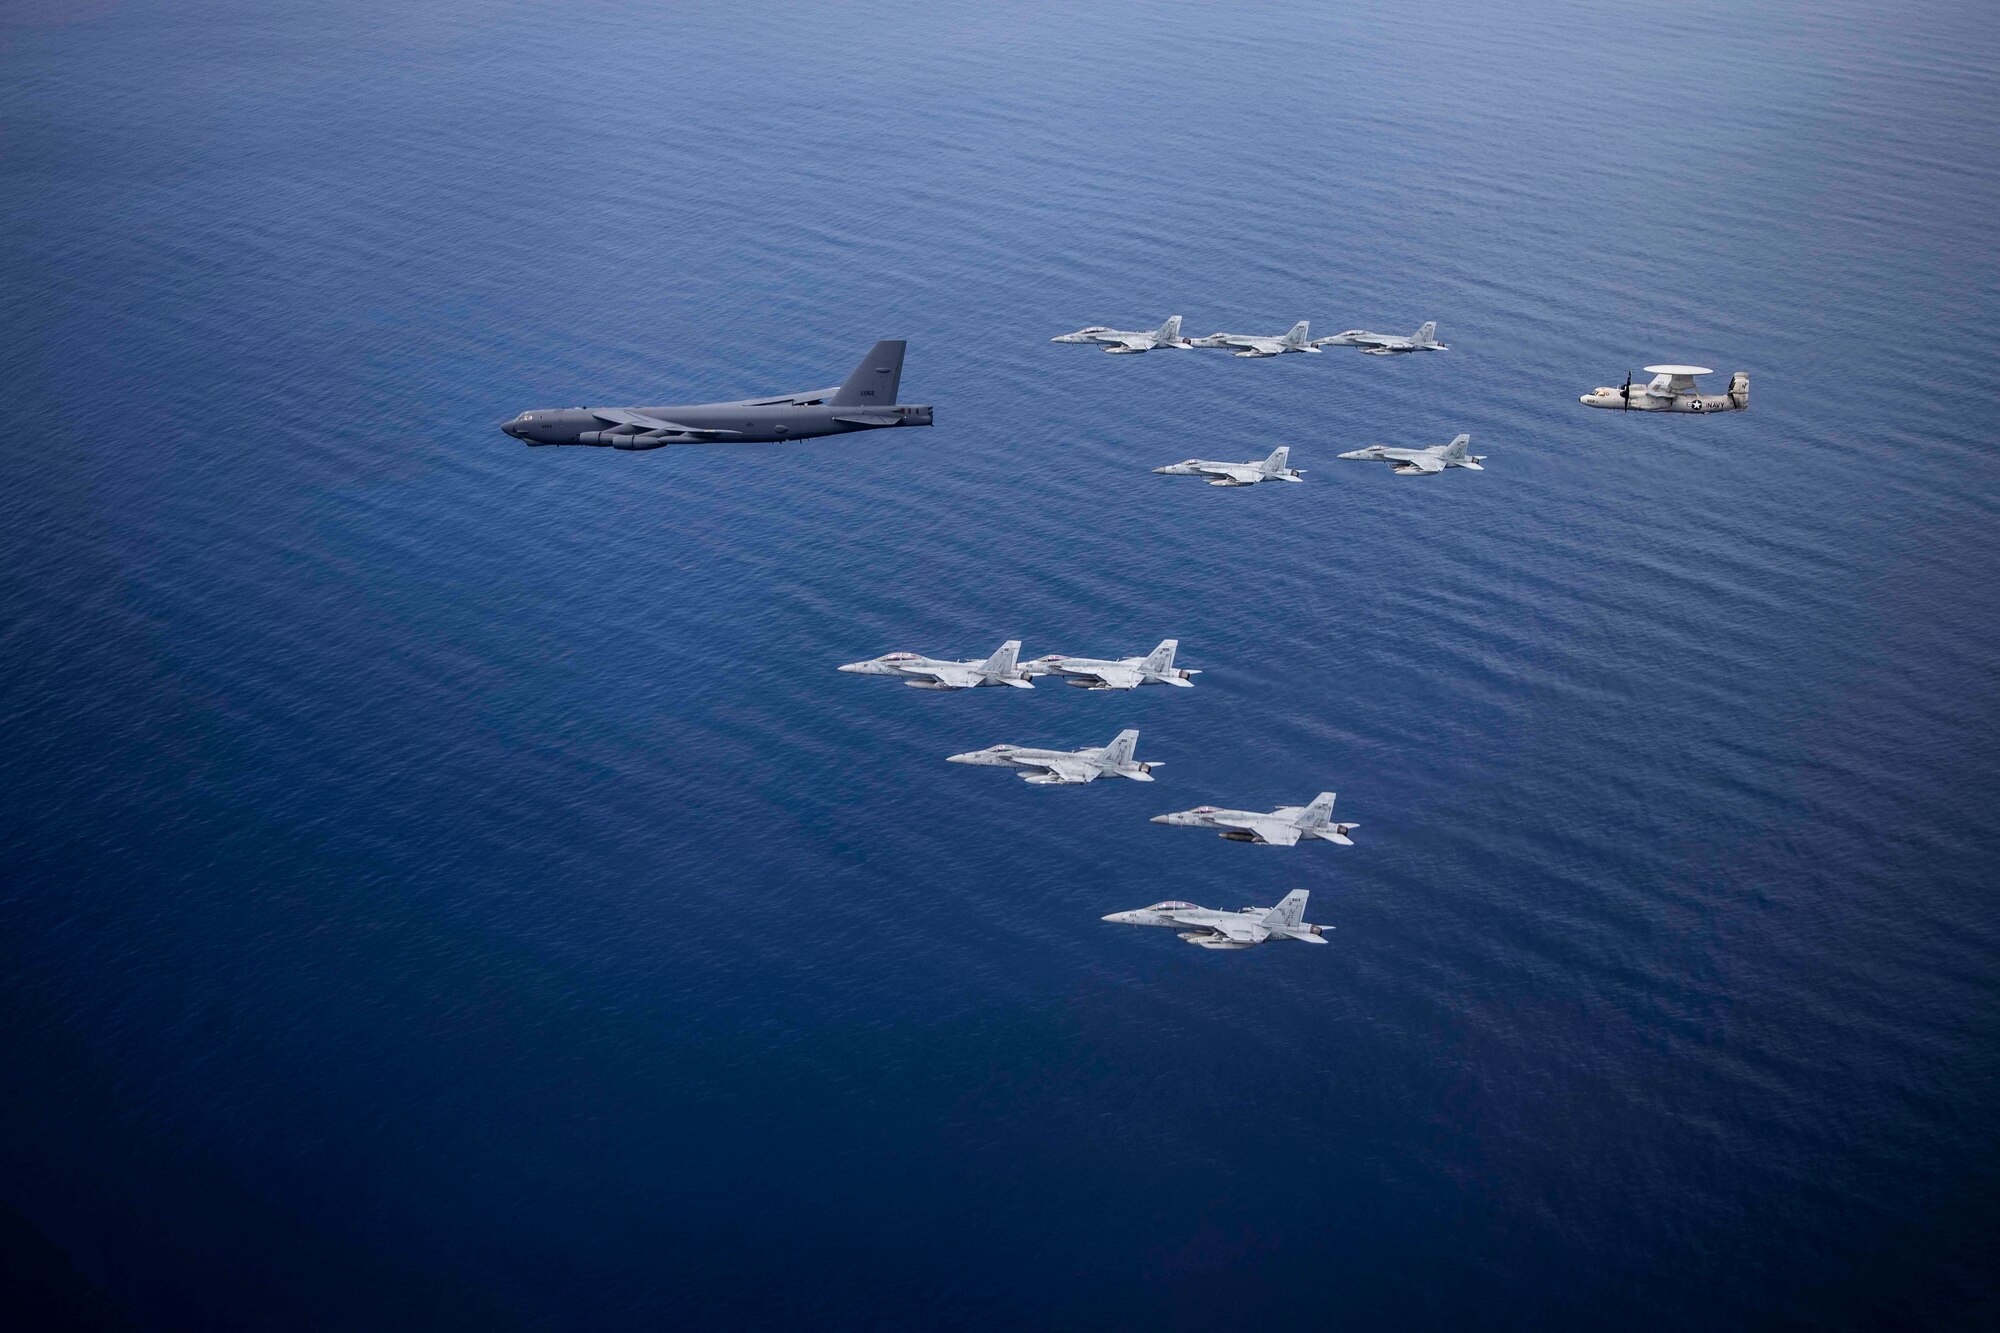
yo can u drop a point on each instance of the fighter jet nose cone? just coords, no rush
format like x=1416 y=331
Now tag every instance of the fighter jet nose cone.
x=853 y=667
x=1162 y=819
x=958 y=758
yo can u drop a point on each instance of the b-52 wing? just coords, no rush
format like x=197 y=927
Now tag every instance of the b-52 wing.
x=625 y=416
x=805 y=399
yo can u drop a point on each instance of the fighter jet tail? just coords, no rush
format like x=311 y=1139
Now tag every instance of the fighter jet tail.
x=1289 y=912
x=1739 y=389
x=1297 y=337
x=1279 y=461
x=1456 y=450
x=1001 y=664
x=1316 y=815
x=1119 y=752
x=1162 y=657
x=1170 y=331
x=876 y=380
x=1427 y=334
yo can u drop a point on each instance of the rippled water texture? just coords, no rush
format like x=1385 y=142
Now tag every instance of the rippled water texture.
x=447 y=885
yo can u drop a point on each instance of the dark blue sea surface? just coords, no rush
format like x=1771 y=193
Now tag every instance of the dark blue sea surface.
x=447 y=886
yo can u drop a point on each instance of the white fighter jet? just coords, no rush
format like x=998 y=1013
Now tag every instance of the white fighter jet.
x=1250 y=344
x=1121 y=341
x=1283 y=827
x=1213 y=929
x=1062 y=767
x=1239 y=474
x=1387 y=344
x=930 y=673
x=1126 y=673
x=1672 y=390
x=1422 y=462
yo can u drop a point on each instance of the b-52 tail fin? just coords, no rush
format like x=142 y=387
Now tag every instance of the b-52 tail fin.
x=876 y=380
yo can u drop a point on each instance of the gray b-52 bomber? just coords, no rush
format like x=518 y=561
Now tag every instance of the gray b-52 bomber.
x=1063 y=767
x=1238 y=474
x=1422 y=462
x=1125 y=342
x=1283 y=827
x=930 y=673
x=1386 y=344
x=1250 y=344
x=1126 y=673
x=866 y=400
x=1209 y=928
x=1672 y=390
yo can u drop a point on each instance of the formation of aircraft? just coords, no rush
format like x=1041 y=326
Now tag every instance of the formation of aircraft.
x=1422 y=462
x=1124 y=342
x=1672 y=390
x=1250 y=344
x=1005 y=668
x=1065 y=767
x=931 y=673
x=1238 y=474
x=1286 y=826
x=1387 y=344
x=866 y=400
x=1211 y=928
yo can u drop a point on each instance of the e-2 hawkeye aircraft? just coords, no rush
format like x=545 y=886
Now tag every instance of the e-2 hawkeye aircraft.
x=1672 y=390
x=866 y=401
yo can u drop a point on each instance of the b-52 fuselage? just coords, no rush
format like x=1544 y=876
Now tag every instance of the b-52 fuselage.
x=866 y=401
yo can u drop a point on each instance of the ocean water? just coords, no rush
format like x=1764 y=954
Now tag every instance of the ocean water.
x=446 y=884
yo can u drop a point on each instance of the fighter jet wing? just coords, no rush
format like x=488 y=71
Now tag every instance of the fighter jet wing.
x=960 y=678
x=1276 y=833
x=1246 y=931
x=1233 y=476
x=1116 y=678
x=625 y=416
x=1422 y=463
x=1072 y=770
